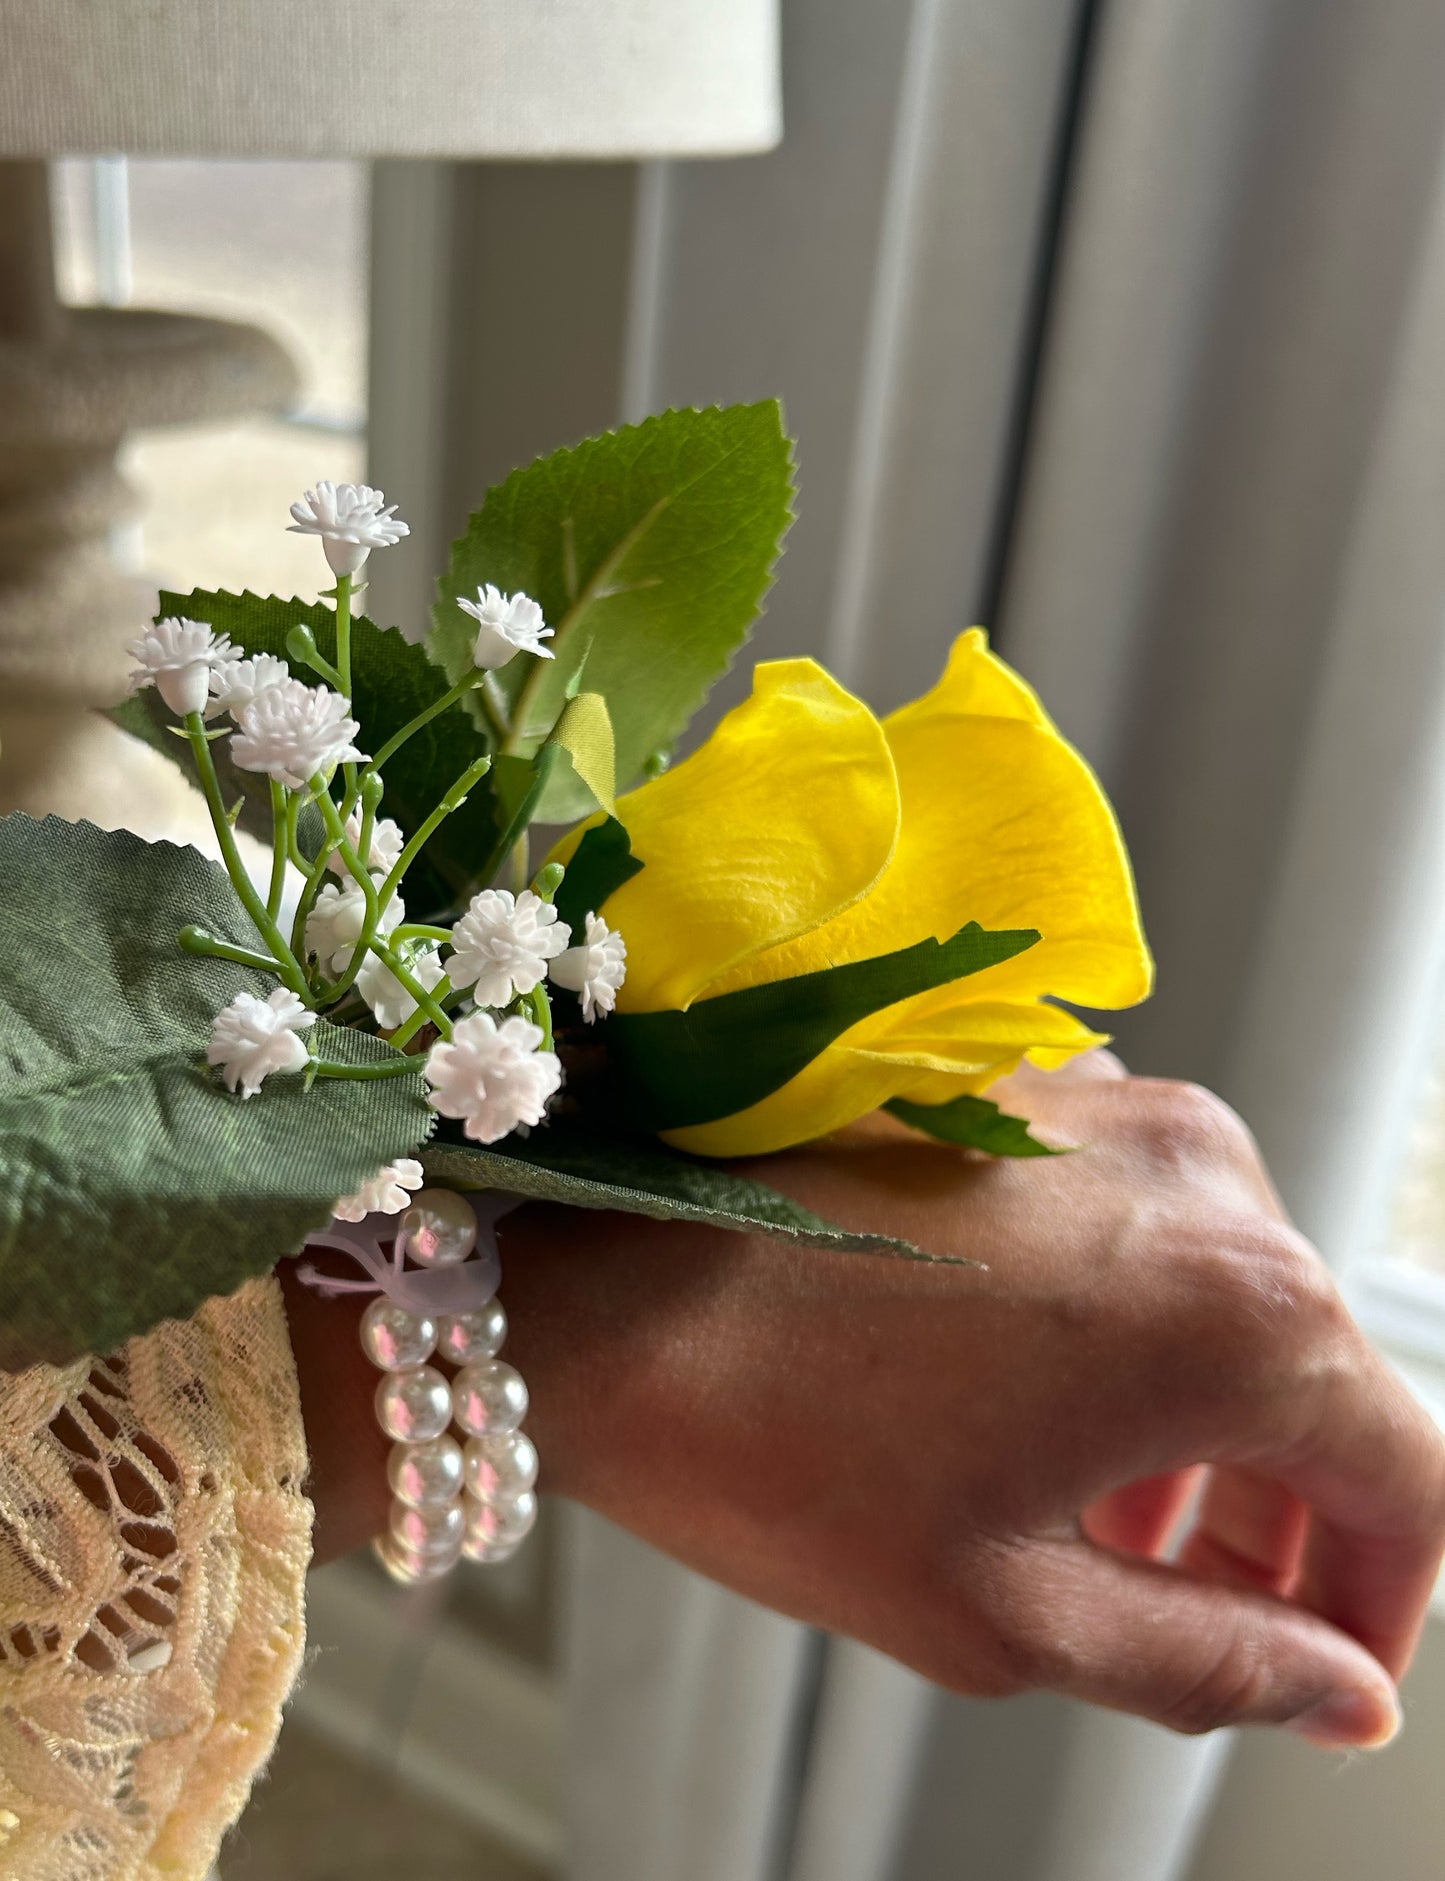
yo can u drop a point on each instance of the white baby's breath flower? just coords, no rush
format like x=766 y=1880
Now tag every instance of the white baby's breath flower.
x=236 y=683
x=507 y=624
x=293 y=731
x=351 y=519
x=387 y=843
x=178 y=657
x=334 y=925
x=494 y=1077
x=388 y=1192
x=384 y=992
x=253 y=1038
x=594 y=970
x=503 y=942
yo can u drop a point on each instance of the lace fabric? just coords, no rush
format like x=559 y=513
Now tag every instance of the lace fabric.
x=154 y=1538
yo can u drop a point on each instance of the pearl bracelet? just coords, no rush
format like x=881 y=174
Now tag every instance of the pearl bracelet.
x=449 y=1498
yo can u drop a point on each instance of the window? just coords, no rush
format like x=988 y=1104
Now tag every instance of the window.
x=1398 y=1288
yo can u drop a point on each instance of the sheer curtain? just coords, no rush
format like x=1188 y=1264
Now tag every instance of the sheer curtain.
x=1120 y=326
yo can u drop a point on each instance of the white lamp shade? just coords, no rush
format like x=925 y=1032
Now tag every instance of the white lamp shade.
x=502 y=78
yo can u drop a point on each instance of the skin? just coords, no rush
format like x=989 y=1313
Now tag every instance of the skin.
x=979 y=1472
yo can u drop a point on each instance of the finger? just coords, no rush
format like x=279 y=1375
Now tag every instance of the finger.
x=1373 y=1475
x=1147 y=1638
x=1141 y=1517
x=1249 y=1530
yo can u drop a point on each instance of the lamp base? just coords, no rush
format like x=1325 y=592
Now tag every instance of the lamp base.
x=73 y=382
x=77 y=765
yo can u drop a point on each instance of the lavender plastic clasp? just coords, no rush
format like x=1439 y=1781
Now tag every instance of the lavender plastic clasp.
x=428 y=1291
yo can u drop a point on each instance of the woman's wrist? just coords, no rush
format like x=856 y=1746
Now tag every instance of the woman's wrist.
x=346 y=1478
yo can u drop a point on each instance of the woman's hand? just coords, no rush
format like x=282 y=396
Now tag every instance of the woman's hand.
x=977 y=1471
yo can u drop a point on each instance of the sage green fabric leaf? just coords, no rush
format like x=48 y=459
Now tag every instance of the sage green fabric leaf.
x=601 y=863
x=975 y=1123
x=586 y=1167
x=392 y=681
x=725 y=1053
x=132 y=1185
x=649 y=549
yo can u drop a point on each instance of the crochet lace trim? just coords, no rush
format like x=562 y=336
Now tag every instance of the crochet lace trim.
x=154 y=1539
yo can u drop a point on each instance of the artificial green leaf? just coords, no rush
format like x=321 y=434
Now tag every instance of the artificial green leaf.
x=569 y=797
x=521 y=784
x=392 y=681
x=584 y=732
x=973 y=1122
x=583 y=1167
x=649 y=549
x=132 y=1185
x=600 y=864
x=725 y=1053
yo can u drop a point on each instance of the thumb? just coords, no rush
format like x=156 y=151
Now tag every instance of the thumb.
x=1147 y=1638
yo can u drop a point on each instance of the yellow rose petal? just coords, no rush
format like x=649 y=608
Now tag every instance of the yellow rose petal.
x=787 y=815
x=975 y=684
x=964 y=1049
x=1004 y=824
x=944 y=1030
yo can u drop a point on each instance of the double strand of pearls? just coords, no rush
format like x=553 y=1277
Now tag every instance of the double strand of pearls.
x=450 y=1498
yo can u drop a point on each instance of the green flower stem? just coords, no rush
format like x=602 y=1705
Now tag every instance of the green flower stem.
x=314 y=879
x=280 y=823
x=427 y=1005
x=343 y=664
x=453 y=800
x=293 y=845
x=387 y=1068
x=419 y=930
x=408 y=1029
x=337 y=841
x=196 y=940
x=343 y=633
x=301 y=645
x=540 y=1007
x=266 y=926
x=368 y=939
x=489 y=697
x=519 y=863
x=399 y=738
x=368 y=824
x=316 y=868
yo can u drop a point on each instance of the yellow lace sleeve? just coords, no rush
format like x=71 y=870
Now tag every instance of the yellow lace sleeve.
x=154 y=1538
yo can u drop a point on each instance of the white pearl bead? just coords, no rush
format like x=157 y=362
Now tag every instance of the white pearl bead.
x=488 y=1398
x=395 y=1339
x=436 y=1530
x=407 y=1566
x=498 y=1469
x=469 y=1336
x=415 y=1406
x=440 y=1228
x=424 y=1474
x=488 y=1553
x=500 y=1524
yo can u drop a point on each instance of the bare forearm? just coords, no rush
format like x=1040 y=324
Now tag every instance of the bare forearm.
x=976 y=1471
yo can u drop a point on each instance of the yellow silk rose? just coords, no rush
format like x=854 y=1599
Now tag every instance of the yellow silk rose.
x=806 y=835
